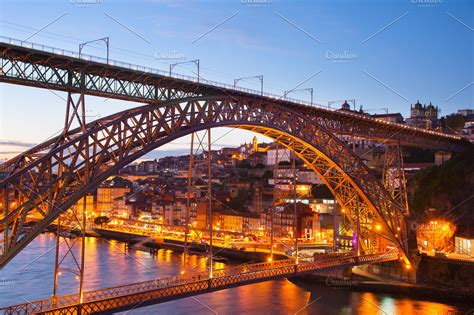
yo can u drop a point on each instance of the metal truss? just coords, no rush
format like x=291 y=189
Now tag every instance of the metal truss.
x=360 y=213
x=53 y=71
x=66 y=224
x=51 y=180
x=199 y=158
x=126 y=297
x=393 y=175
x=281 y=196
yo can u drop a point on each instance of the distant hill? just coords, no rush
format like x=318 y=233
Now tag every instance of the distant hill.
x=449 y=189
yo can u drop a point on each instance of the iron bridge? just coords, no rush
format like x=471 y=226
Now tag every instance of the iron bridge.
x=48 y=179
x=151 y=292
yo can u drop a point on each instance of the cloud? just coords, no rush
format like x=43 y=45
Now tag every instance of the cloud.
x=10 y=152
x=17 y=143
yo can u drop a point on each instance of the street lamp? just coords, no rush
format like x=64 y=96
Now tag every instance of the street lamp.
x=310 y=90
x=260 y=77
x=106 y=40
x=196 y=62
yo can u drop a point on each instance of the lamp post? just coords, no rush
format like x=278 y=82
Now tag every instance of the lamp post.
x=106 y=40
x=260 y=77
x=310 y=90
x=196 y=62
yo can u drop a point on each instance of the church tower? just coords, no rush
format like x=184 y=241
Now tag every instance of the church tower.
x=254 y=144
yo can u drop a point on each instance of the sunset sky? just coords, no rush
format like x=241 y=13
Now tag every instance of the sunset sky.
x=384 y=54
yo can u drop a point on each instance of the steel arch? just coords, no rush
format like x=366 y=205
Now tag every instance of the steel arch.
x=49 y=179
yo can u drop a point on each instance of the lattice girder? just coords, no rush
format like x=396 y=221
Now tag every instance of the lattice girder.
x=115 y=141
x=56 y=71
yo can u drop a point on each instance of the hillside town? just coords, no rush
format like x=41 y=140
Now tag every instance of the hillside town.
x=257 y=188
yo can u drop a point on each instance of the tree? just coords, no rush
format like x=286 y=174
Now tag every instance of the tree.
x=238 y=203
x=101 y=220
x=243 y=164
x=449 y=189
x=268 y=174
x=455 y=121
x=321 y=191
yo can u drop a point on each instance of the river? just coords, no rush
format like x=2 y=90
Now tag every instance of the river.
x=29 y=276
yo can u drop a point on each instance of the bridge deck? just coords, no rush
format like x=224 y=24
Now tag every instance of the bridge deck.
x=51 y=68
x=160 y=290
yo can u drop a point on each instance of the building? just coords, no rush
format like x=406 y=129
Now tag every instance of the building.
x=466 y=112
x=109 y=191
x=202 y=211
x=284 y=155
x=257 y=158
x=464 y=246
x=423 y=116
x=468 y=133
x=252 y=224
x=284 y=219
x=327 y=206
x=90 y=207
x=310 y=226
x=393 y=117
x=231 y=222
x=309 y=176
x=121 y=208
x=302 y=189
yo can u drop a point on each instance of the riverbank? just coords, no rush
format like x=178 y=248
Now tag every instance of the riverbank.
x=247 y=255
x=397 y=288
x=343 y=280
x=108 y=266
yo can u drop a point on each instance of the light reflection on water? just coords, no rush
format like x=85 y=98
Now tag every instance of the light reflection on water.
x=29 y=276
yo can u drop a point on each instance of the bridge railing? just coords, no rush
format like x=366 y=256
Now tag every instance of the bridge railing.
x=224 y=276
x=90 y=296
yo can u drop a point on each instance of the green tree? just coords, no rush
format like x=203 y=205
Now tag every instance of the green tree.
x=243 y=164
x=455 y=121
x=101 y=220
x=321 y=191
x=448 y=188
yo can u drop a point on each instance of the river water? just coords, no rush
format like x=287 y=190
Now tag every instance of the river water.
x=29 y=276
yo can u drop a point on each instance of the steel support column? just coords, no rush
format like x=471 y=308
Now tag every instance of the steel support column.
x=394 y=174
x=119 y=139
x=295 y=234
x=275 y=199
x=188 y=198
x=209 y=196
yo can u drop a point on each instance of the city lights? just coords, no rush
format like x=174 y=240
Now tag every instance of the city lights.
x=183 y=186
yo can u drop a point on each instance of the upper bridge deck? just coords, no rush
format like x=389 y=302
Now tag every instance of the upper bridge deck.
x=51 y=68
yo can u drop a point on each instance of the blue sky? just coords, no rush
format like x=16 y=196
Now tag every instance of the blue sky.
x=384 y=54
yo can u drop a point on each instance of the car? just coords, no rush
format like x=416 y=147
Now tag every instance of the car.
x=242 y=248
x=234 y=247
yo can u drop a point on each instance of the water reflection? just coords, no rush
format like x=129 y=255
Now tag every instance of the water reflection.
x=29 y=276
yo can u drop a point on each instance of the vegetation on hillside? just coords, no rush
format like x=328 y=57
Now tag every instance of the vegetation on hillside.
x=448 y=188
